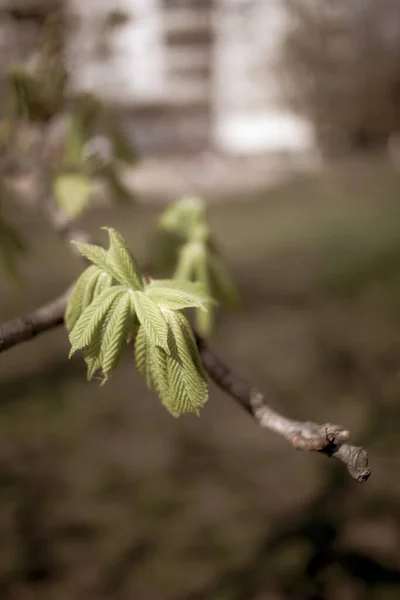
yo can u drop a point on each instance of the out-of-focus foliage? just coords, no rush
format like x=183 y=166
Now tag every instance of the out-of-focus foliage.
x=184 y=242
x=72 y=144
x=342 y=65
x=11 y=244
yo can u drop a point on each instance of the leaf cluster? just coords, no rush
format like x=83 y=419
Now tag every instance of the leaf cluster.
x=184 y=241
x=113 y=303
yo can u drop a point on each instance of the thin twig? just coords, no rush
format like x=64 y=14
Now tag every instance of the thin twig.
x=303 y=435
x=23 y=329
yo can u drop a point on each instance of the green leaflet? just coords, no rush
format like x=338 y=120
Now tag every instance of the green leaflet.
x=177 y=295
x=116 y=333
x=117 y=261
x=179 y=378
x=159 y=366
x=152 y=319
x=93 y=362
x=119 y=256
x=143 y=358
x=108 y=344
x=96 y=254
x=103 y=282
x=81 y=295
x=90 y=321
x=186 y=337
x=151 y=363
x=89 y=285
x=93 y=356
x=187 y=385
x=190 y=287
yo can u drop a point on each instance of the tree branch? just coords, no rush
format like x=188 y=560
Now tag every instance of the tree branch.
x=23 y=329
x=328 y=439
x=303 y=435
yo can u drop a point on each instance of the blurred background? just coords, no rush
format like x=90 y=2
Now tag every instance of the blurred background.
x=284 y=116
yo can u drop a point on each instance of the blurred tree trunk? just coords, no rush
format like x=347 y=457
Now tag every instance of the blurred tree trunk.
x=342 y=62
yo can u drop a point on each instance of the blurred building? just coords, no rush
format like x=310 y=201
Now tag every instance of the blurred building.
x=188 y=74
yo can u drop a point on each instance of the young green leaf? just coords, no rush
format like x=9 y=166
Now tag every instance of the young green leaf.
x=183 y=332
x=96 y=254
x=116 y=333
x=159 y=362
x=118 y=262
x=93 y=363
x=143 y=357
x=104 y=282
x=176 y=295
x=187 y=384
x=187 y=390
x=189 y=287
x=82 y=295
x=152 y=319
x=93 y=355
x=122 y=262
x=92 y=318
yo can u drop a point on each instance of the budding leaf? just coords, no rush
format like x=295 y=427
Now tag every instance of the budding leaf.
x=112 y=303
x=187 y=383
x=82 y=295
x=152 y=319
x=124 y=265
x=90 y=321
x=175 y=295
x=115 y=333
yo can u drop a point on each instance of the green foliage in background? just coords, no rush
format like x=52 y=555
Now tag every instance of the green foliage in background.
x=12 y=247
x=113 y=303
x=93 y=150
x=185 y=243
